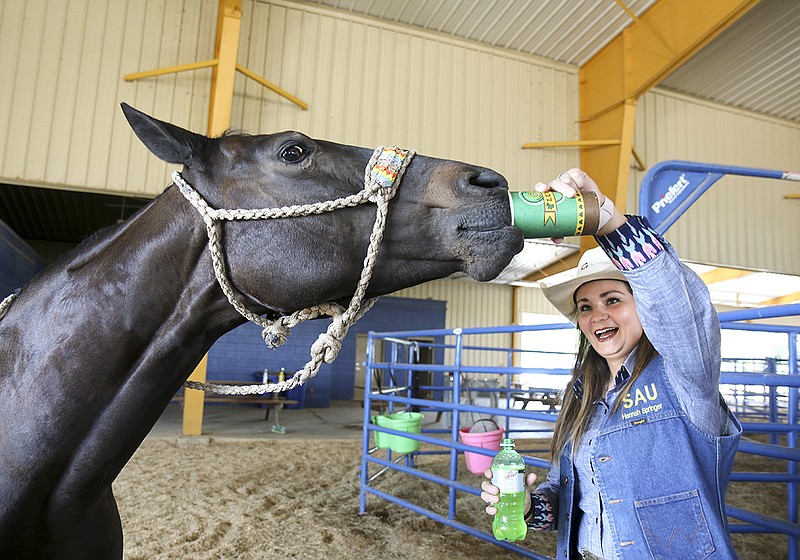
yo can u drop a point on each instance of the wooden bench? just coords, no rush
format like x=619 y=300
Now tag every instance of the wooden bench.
x=271 y=400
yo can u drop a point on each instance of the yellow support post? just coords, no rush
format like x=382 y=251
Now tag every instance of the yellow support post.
x=194 y=401
x=229 y=22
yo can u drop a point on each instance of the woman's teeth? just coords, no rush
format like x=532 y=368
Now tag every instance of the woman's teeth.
x=605 y=334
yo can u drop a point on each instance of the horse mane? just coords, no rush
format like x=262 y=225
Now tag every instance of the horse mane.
x=98 y=241
x=233 y=132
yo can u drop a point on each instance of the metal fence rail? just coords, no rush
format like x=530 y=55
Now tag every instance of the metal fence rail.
x=397 y=368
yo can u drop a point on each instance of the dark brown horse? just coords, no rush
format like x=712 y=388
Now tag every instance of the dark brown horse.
x=95 y=346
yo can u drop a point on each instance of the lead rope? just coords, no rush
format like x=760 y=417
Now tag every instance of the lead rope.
x=381 y=180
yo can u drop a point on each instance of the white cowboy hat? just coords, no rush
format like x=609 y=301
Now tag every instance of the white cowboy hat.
x=594 y=265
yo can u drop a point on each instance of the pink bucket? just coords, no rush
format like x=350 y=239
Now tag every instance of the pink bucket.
x=476 y=462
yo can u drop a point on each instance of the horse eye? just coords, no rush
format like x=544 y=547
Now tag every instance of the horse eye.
x=292 y=153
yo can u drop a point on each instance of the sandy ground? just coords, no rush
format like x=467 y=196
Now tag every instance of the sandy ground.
x=253 y=499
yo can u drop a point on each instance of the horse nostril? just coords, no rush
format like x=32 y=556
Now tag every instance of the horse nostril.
x=485 y=178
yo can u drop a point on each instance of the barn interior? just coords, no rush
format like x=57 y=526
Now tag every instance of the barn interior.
x=529 y=88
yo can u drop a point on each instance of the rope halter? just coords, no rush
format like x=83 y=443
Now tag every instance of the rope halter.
x=381 y=179
x=6 y=303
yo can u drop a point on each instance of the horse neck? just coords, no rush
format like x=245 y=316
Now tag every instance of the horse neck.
x=142 y=286
x=102 y=340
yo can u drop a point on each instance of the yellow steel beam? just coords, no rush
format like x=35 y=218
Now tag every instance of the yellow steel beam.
x=781 y=300
x=269 y=85
x=570 y=144
x=169 y=70
x=722 y=274
x=221 y=83
x=652 y=47
x=647 y=51
x=229 y=23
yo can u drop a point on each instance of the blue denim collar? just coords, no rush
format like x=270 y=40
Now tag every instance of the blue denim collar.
x=622 y=376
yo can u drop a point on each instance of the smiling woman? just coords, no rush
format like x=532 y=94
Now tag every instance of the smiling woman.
x=643 y=440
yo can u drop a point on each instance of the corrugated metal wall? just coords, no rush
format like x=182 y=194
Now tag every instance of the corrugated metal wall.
x=367 y=83
x=63 y=64
x=739 y=221
x=531 y=300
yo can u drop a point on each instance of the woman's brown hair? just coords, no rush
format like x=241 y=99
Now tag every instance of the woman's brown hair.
x=593 y=370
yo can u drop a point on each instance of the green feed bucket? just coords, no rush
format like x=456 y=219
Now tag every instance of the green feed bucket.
x=402 y=422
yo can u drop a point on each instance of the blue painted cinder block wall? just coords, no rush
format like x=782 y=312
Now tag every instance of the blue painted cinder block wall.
x=240 y=355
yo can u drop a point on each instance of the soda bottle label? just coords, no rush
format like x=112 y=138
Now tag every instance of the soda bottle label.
x=508 y=480
x=551 y=214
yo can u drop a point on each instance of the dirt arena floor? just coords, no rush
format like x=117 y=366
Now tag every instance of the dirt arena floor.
x=207 y=498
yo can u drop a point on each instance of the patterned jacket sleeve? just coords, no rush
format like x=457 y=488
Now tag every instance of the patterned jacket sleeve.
x=543 y=514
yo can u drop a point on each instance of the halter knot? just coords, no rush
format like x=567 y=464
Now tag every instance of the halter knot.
x=327 y=346
x=275 y=334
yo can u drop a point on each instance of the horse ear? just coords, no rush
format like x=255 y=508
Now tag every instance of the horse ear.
x=171 y=143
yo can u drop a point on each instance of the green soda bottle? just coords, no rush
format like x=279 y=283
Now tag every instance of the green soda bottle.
x=508 y=474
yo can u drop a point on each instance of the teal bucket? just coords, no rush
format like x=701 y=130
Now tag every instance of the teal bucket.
x=402 y=422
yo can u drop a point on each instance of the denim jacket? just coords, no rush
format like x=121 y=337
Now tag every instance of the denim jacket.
x=662 y=481
x=658 y=461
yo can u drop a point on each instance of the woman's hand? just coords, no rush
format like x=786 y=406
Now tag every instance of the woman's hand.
x=569 y=183
x=491 y=496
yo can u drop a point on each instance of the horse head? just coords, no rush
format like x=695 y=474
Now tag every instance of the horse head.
x=445 y=216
